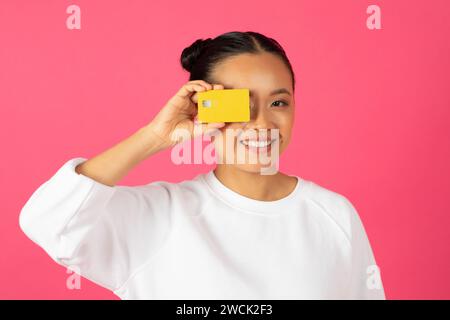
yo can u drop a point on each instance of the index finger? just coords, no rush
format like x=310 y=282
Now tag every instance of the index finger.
x=194 y=97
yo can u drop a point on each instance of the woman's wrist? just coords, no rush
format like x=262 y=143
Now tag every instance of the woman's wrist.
x=153 y=141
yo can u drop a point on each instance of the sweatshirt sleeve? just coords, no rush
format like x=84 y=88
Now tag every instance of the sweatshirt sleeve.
x=105 y=232
x=365 y=283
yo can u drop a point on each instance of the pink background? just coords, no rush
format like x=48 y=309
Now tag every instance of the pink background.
x=373 y=120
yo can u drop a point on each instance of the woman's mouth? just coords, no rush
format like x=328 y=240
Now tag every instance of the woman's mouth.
x=259 y=146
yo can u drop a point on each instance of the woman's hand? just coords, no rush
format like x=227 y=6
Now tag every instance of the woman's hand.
x=180 y=113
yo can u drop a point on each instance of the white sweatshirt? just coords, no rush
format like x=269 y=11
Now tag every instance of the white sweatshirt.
x=198 y=239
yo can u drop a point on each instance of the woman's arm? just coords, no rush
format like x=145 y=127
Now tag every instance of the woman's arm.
x=81 y=219
x=112 y=165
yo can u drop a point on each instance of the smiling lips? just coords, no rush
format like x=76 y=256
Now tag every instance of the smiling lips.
x=256 y=143
x=260 y=142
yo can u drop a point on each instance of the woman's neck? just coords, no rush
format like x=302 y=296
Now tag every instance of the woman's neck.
x=255 y=185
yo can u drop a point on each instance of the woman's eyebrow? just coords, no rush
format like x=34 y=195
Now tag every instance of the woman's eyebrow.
x=281 y=90
x=274 y=92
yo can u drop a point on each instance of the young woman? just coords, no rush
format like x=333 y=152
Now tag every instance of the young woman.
x=231 y=233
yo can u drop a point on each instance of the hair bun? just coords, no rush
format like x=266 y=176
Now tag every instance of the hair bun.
x=190 y=54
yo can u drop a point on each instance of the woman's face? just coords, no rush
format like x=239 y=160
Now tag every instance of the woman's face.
x=272 y=108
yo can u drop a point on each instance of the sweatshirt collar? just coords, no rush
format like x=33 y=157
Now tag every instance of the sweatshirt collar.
x=234 y=199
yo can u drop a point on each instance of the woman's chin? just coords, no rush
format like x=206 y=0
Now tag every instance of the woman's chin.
x=251 y=167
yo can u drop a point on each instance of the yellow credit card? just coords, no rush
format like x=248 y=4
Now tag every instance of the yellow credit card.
x=224 y=105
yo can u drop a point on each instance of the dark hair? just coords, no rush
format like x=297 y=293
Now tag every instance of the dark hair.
x=201 y=56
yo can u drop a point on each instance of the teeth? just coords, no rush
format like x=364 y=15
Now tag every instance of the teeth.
x=256 y=143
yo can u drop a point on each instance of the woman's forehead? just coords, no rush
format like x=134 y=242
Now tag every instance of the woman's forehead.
x=258 y=72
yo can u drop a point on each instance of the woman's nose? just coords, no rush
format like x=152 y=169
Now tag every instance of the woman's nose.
x=259 y=117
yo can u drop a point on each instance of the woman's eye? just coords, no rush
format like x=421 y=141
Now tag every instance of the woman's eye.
x=277 y=103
